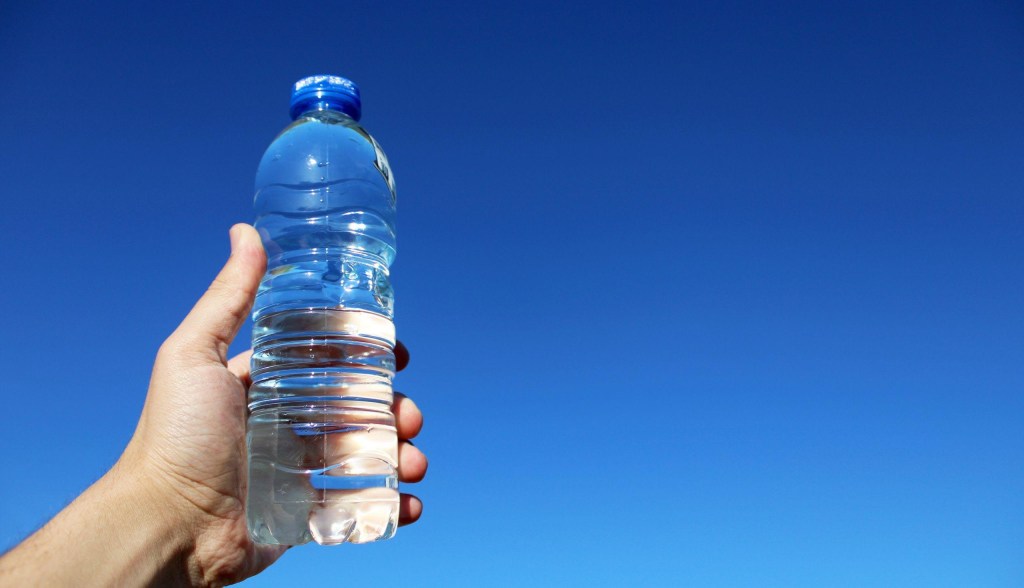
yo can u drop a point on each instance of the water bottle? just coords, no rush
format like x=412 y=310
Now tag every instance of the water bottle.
x=322 y=446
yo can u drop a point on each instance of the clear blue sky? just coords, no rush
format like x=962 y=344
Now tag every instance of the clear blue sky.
x=707 y=296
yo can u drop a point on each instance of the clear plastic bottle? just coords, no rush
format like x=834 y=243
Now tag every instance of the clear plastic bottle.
x=321 y=435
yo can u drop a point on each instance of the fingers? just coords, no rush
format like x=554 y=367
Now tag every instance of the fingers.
x=408 y=418
x=401 y=356
x=410 y=509
x=215 y=319
x=239 y=365
x=412 y=464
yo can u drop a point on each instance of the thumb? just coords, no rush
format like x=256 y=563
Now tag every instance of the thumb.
x=214 y=321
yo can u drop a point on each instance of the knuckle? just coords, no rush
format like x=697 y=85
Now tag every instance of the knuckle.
x=170 y=348
x=224 y=288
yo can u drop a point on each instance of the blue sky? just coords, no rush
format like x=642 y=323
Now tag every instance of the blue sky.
x=697 y=295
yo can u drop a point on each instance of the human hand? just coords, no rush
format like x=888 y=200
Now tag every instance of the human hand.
x=174 y=502
x=191 y=438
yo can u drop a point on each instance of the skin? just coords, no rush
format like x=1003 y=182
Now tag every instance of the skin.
x=171 y=511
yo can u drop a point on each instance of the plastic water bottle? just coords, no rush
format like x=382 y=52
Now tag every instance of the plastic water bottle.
x=323 y=451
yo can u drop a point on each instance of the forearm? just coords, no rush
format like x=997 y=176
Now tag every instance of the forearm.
x=113 y=534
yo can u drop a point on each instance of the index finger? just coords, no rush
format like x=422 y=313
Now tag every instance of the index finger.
x=239 y=364
x=401 y=356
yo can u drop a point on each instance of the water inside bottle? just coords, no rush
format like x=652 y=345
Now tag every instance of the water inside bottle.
x=323 y=449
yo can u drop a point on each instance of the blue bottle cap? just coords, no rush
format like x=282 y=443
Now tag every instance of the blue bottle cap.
x=334 y=92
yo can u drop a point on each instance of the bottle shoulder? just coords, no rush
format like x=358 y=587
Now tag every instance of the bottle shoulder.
x=324 y=146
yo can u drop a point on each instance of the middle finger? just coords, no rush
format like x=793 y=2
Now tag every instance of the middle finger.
x=408 y=418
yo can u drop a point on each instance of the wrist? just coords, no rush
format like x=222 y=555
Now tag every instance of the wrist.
x=152 y=547
x=114 y=534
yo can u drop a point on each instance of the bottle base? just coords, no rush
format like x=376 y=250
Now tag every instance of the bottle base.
x=351 y=516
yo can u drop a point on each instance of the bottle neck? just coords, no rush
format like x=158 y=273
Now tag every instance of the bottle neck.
x=325 y=103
